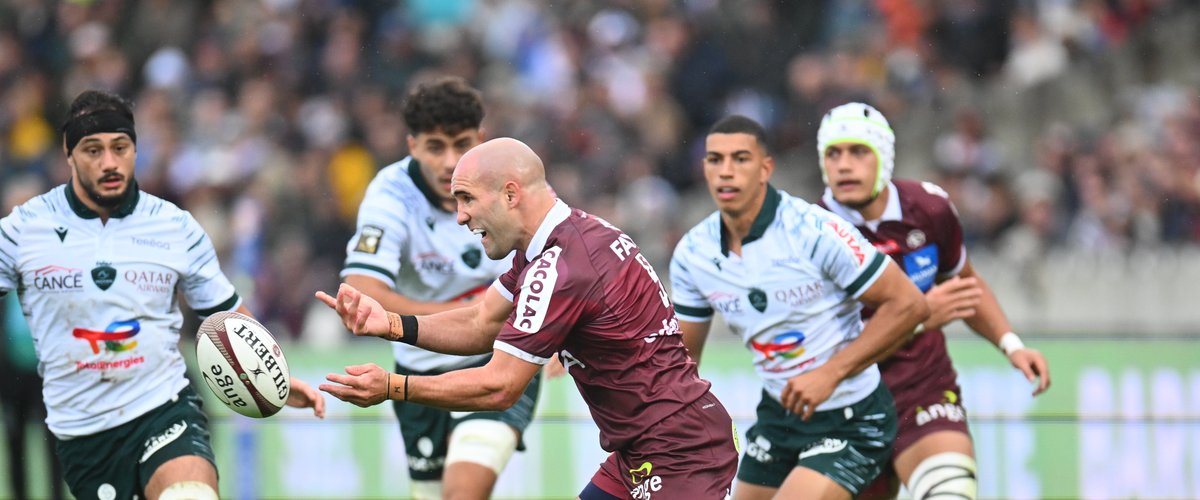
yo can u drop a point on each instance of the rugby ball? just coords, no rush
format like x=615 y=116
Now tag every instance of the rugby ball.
x=242 y=364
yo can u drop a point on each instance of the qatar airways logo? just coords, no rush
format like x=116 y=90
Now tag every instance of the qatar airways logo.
x=536 y=290
x=151 y=281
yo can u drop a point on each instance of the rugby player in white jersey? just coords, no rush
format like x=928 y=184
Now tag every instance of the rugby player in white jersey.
x=789 y=278
x=410 y=254
x=97 y=264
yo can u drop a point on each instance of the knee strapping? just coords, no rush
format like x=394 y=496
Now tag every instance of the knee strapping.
x=489 y=443
x=945 y=475
x=189 y=490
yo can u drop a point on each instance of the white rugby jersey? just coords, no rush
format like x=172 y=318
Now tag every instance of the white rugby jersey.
x=100 y=301
x=406 y=240
x=791 y=295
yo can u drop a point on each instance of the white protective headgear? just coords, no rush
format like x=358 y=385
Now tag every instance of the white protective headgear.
x=859 y=123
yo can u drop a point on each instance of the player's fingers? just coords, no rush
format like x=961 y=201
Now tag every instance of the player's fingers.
x=337 y=378
x=360 y=324
x=318 y=405
x=357 y=370
x=326 y=299
x=337 y=391
x=962 y=313
x=1043 y=371
x=1027 y=370
x=807 y=407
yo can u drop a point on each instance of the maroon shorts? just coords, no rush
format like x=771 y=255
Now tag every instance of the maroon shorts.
x=921 y=410
x=691 y=454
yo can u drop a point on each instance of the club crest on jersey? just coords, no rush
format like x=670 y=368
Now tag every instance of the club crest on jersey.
x=472 y=257
x=104 y=275
x=758 y=299
x=915 y=238
x=368 y=239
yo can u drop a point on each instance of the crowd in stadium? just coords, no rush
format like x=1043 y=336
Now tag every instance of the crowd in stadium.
x=1048 y=122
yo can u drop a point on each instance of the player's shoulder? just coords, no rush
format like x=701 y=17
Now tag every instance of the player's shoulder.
x=393 y=187
x=923 y=197
x=797 y=215
x=703 y=236
x=46 y=206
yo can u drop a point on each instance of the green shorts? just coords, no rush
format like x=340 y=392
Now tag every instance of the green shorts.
x=117 y=463
x=850 y=445
x=426 y=430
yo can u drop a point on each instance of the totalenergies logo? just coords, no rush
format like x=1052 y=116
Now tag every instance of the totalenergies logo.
x=786 y=345
x=111 y=337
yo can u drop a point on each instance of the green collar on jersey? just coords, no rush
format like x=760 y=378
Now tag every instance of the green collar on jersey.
x=125 y=208
x=418 y=178
x=766 y=215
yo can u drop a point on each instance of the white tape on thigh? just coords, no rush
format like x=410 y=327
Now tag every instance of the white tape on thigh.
x=489 y=443
x=945 y=475
x=426 y=490
x=188 y=490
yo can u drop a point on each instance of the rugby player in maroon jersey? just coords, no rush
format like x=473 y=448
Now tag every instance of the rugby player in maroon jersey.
x=915 y=224
x=581 y=288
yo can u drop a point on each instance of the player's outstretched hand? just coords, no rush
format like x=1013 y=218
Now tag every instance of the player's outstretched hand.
x=363 y=385
x=955 y=298
x=1034 y=366
x=804 y=392
x=304 y=396
x=360 y=313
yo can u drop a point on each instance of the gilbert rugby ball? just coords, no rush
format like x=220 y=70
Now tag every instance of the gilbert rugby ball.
x=242 y=364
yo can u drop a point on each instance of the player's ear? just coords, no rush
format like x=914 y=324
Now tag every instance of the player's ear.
x=412 y=143
x=768 y=166
x=511 y=193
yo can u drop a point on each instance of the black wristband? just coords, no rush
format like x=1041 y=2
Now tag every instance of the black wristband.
x=408 y=324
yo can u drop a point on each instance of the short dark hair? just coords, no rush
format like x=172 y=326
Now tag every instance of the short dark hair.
x=738 y=124
x=448 y=103
x=92 y=101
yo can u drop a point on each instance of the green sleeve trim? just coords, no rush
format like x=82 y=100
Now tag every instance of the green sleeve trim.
x=224 y=306
x=866 y=276
x=697 y=312
x=380 y=270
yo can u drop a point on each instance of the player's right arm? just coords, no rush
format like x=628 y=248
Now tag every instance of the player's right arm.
x=396 y=302
x=9 y=275
x=691 y=306
x=465 y=330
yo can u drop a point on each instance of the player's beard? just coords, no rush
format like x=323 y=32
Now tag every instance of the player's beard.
x=859 y=205
x=107 y=201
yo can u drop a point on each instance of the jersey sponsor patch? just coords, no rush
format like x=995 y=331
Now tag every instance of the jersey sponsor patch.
x=534 y=300
x=847 y=237
x=368 y=239
x=921 y=266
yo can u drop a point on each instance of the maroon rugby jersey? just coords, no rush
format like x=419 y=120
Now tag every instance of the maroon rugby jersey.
x=919 y=230
x=583 y=290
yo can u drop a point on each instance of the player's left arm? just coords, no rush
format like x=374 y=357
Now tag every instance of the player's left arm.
x=899 y=307
x=990 y=322
x=495 y=386
x=302 y=395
